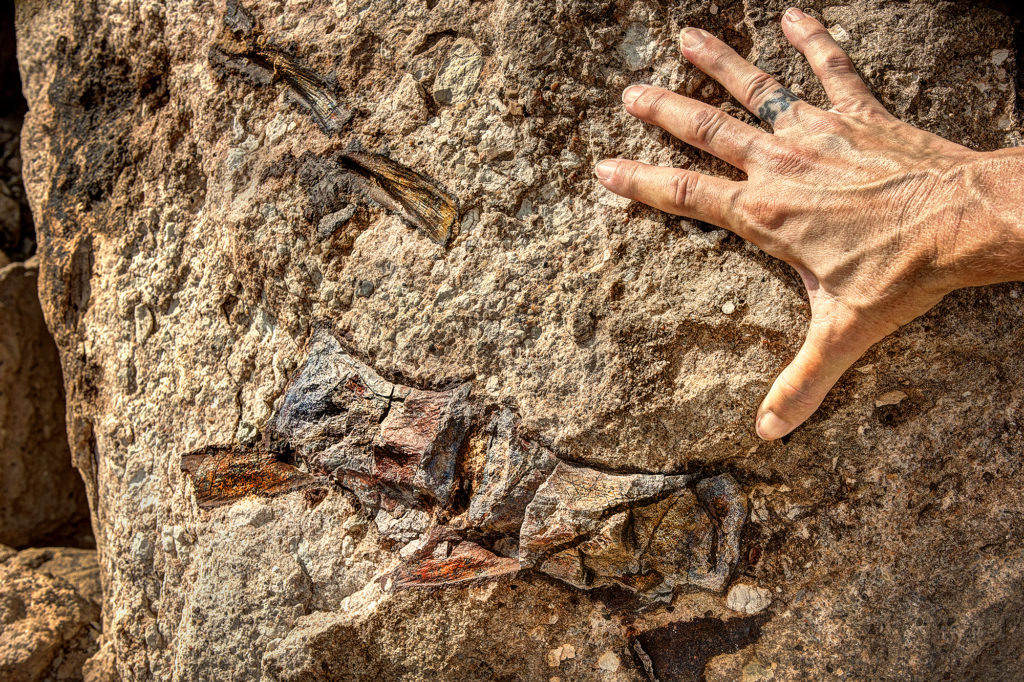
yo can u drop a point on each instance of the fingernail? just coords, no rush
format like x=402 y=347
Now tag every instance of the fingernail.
x=692 y=37
x=605 y=169
x=770 y=427
x=793 y=14
x=630 y=94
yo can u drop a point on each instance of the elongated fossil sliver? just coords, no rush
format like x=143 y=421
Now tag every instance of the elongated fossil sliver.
x=415 y=197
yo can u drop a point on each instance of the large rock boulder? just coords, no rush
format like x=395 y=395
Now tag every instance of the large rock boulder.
x=369 y=379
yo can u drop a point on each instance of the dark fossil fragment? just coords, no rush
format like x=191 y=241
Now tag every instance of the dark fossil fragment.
x=418 y=199
x=251 y=43
x=404 y=452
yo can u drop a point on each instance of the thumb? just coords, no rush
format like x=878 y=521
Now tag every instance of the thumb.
x=828 y=351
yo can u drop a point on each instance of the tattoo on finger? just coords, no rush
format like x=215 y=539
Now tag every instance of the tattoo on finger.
x=776 y=103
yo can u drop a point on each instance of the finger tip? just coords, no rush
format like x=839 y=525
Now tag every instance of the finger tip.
x=691 y=37
x=771 y=427
x=793 y=15
x=605 y=169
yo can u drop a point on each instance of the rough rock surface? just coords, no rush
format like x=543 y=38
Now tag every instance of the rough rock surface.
x=49 y=612
x=42 y=498
x=196 y=226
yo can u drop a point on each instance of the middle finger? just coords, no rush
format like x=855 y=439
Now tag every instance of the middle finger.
x=696 y=123
x=752 y=87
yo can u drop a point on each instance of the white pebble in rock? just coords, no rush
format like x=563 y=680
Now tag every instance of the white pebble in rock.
x=457 y=78
x=749 y=599
x=728 y=307
x=608 y=661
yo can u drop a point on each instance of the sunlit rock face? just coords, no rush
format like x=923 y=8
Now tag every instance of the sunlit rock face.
x=322 y=436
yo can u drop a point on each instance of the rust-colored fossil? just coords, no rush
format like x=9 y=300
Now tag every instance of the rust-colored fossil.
x=400 y=451
x=223 y=475
x=418 y=199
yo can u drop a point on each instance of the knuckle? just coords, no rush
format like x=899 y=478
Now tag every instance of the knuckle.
x=799 y=394
x=706 y=124
x=787 y=160
x=653 y=105
x=836 y=61
x=682 y=187
x=761 y=214
x=757 y=85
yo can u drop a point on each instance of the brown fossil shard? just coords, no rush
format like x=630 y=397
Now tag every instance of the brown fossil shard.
x=415 y=197
x=514 y=467
x=223 y=475
x=398 y=448
x=467 y=562
x=647 y=532
x=251 y=43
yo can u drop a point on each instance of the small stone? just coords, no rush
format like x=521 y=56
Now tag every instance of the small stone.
x=330 y=223
x=999 y=56
x=144 y=323
x=457 y=78
x=637 y=47
x=608 y=661
x=559 y=654
x=890 y=398
x=839 y=33
x=755 y=672
x=728 y=307
x=748 y=599
x=365 y=288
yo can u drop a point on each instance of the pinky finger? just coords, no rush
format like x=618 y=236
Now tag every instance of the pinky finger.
x=676 y=191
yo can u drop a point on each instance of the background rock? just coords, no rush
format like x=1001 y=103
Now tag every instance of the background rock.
x=49 y=612
x=178 y=207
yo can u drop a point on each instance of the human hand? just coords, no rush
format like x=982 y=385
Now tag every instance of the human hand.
x=880 y=219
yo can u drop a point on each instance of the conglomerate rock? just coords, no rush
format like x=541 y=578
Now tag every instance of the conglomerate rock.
x=200 y=215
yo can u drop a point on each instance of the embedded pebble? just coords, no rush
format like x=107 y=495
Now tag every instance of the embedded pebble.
x=559 y=654
x=890 y=398
x=330 y=223
x=728 y=307
x=608 y=661
x=457 y=78
x=144 y=323
x=748 y=599
x=839 y=33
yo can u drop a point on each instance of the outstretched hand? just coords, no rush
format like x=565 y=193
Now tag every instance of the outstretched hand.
x=868 y=209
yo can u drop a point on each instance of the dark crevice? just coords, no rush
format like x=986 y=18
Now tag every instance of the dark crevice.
x=17 y=230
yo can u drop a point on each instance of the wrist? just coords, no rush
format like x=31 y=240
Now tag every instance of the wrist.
x=982 y=242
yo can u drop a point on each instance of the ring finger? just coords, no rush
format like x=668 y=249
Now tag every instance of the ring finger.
x=752 y=87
